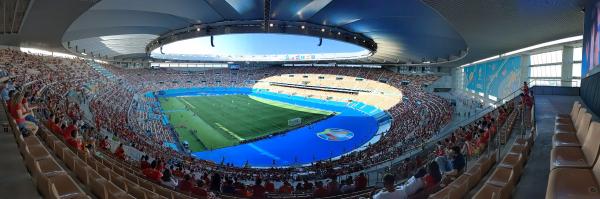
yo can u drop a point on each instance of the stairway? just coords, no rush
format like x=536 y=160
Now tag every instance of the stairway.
x=106 y=73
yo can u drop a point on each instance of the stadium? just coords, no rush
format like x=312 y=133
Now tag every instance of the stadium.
x=282 y=99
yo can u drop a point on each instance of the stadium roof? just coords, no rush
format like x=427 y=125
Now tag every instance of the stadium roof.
x=449 y=33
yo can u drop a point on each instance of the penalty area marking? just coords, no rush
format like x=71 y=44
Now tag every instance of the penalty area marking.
x=230 y=133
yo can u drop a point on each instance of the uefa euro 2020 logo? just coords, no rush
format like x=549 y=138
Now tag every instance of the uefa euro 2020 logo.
x=335 y=134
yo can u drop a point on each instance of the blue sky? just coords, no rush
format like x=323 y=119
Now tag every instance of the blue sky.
x=260 y=44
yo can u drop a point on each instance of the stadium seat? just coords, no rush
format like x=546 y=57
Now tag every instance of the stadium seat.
x=69 y=159
x=442 y=194
x=33 y=154
x=488 y=191
x=163 y=191
x=504 y=178
x=146 y=184
x=460 y=187
x=61 y=185
x=513 y=161
x=571 y=128
x=574 y=183
x=583 y=157
x=83 y=173
x=475 y=174
x=104 y=189
x=569 y=119
x=573 y=139
x=46 y=167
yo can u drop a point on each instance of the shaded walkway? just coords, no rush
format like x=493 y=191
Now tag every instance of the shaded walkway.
x=535 y=174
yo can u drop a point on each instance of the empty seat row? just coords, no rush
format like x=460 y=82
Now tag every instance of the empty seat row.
x=503 y=180
x=574 y=166
x=51 y=180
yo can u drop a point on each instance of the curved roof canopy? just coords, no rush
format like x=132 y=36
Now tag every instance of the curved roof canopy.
x=406 y=31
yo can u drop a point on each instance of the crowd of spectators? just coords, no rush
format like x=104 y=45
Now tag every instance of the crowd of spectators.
x=55 y=88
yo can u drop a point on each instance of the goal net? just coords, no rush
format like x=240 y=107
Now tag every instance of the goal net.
x=294 y=121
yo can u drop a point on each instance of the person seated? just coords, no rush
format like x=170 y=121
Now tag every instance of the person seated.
x=70 y=128
x=227 y=187
x=320 y=191
x=186 y=184
x=333 y=187
x=144 y=162
x=75 y=141
x=454 y=165
x=269 y=186
x=258 y=191
x=104 y=144
x=347 y=186
x=286 y=188
x=425 y=178
x=199 y=190
x=360 y=182
x=152 y=173
x=168 y=180
x=120 y=153
x=390 y=191
x=17 y=111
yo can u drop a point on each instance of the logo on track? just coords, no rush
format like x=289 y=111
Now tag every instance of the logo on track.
x=335 y=134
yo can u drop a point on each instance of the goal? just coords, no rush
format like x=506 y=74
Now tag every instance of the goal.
x=294 y=121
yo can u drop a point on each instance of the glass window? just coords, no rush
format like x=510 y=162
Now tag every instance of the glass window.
x=545 y=71
x=577 y=53
x=546 y=58
x=576 y=69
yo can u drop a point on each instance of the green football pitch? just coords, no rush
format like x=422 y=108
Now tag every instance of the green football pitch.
x=212 y=122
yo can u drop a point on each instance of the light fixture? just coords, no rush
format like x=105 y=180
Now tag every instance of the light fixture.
x=197 y=29
x=271 y=25
x=322 y=29
x=302 y=27
x=354 y=37
x=339 y=33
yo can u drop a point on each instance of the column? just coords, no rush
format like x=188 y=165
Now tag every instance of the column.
x=567 y=66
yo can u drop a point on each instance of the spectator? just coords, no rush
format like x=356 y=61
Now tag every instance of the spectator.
x=168 y=180
x=120 y=153
x=389 y=190
x=361 y=181
x=258 y=191
x=320 y=191
x=152 y=173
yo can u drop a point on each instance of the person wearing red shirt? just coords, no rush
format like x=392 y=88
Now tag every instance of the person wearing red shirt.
x=433 y=176
x=67 y=132
x=258 y=191
x=144 y=162
x=320 y=191
x=199 y=190
x=286 y=188
x=54 y=127
x=120 y=152
x=360 y=182
x=269 y=186
x=75 y=142
x=186 y=184
x=104 y=145
x=152 y=173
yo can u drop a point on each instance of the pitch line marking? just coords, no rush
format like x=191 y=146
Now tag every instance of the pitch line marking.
x=230 y=133
x=185 y=101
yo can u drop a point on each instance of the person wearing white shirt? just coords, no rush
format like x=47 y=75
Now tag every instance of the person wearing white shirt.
x=390 y=191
